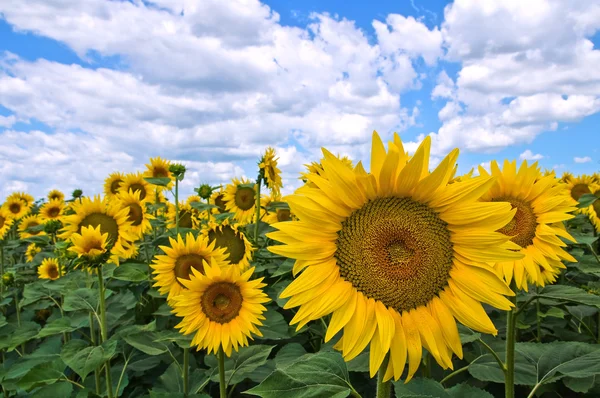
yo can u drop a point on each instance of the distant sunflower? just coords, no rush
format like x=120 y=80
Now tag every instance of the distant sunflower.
x=179 y=259
x=579 y=186
x=136 y=183
x=364 y=237
x=268 y=166
x=112 y=184
x=217 y=199
x=52 y=210
x=5 y=222
x=32 y=250
x=276 y=215
x=194 y=199
x=566 y=177
x=111 y=218
x=25 y=197
x=159 y=168
x=223 y=307
x=540 y=202
x=549 y=172
x=187 y=219
x=30 y=221
x=232 y=239
x=55 y=194
x=15 y=208
x=593 y=212
x=90 y=243
x=50 y=269
x=241 y=200
x=138 y=216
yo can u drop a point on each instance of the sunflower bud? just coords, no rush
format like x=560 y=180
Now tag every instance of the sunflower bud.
x=177 y=170
x=8 y=279
x=52 y=227
x=204 y=191
x=77 y=193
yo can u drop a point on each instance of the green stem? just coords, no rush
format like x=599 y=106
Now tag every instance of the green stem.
x=104 y=330
x=222 y=385
x=1 y=271
x=537 y=317
x=186 y=371
x=176 y=208
x=598 y=328
x=384 y=388
x=258 y=180
x=18 y=310
x=94 y=342
x=494 y=354
x=509 y=380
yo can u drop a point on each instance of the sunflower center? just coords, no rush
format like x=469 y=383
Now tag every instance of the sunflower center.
x=579 y=190
x=244 y=198
x=596 y=205
x=53 y=212
x=107 y=225
x=114 y=186
x=53 y=272
x=220 y=203
x=32 y=224
x=14 y=208
x=54 y=197
x=283 y=215
x=231 y=240
x=395 y=250
x=185 y=219
x=136 y=214
x=221 y=302
x=2 y=221
x=185 y=263
x=160 y=172
x=138 y=188
x=523 y=225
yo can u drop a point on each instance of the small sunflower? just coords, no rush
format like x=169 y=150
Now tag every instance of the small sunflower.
x=32 y=250
x=55 y=194
x=364 y=237
x=138 y=216
x=179 y=259
x=194 y=199
x=276 y=215
x=30 y=221
x=539 y=202
x=25 y=197
x=5 y=222
x=223 y=307
x=272 y=175
x=579 y=186
x=217 y=199
x=52 y=210
x=113 y=183
x=90 y=243
x=111 y=218
x=50 y=269
x=15 y=208
x=593 y=211
x=159 y=168
x=566 y=177
x=229 y=237
x=187 y=219
x=240 y=199
x=136 y=183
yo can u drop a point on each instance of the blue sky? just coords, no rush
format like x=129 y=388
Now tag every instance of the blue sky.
x=111 y=83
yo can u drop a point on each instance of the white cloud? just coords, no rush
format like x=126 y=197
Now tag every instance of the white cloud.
x=7 y=121
x=584 y=159
x=528 y=155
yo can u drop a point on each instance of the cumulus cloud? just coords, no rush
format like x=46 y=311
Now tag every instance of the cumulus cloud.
x=528 y=155
x=583 y=159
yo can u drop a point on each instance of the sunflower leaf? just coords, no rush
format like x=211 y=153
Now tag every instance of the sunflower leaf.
x=586 y=200
x=131 y=272
x=83 y=359
x=81 y=299
x=57 y=326
x=570 y=294
x=160 y=181
x=202 y=206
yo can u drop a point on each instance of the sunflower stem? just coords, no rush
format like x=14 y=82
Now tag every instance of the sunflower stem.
x=511 y=318
x=104 y=330
x=258 y=180
x=18 y=310
x=384 y=388
x=94 y=342
x=538 y=337
x=176 y=208
x=186 y=371
x=1 y=270
x=222 y=385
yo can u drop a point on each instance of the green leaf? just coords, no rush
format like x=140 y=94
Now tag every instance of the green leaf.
x=57 y=326
x=81 y=299
x=467 y=335
x=22 y=334
x=146 y=343
x=579 y=384
x=284 y=268
x=202 y=206
x=420 y=387
x=60 y=389
x=243 y=363
x=160 y=181
x=586 y=200
x=288 y=354
x=323 y=374
x=39 y=376
x=39 y=240
x=584 y=239
x=84 y=359
x=466 y=391
x=274 y=327
x=131 y=272
x=570 y=294
x=249 y=185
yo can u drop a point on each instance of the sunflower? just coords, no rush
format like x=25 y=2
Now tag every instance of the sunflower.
x=194 y=199
x=277 y=215
x=111 y=218
x=25 y=197
x=223 y=306
x=187 y=219
x=159 y=168
x=593 y=211
x=32 y=250
x=229 y=237
x=272 y=175
x=317 y=168
x=91 y=242
x=139 y=218
x=50 y=269
x=539 y=202
x=30 y=221
x=364 y=237
x=55 y=194
x=579 y=186
x=52 y=210
x=5 y=222
x=179 y=258
x=217 y=199
x=136 y=183
x=549 y=172
x=15 y=208
x=112 y=184
x=240 y=199
x=566 y=177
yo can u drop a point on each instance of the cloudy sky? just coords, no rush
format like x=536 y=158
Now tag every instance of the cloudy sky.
x=88 y=87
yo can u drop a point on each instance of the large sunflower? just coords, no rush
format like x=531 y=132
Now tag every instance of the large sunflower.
x=30 y=221
x=317 y=168
x=268 y=166
x=111 y=218
x=50 y=269
x=395 y=255
x=25 y=197
x=229 y=237
x=223 y=306
x=540 y=202
x=5 y=222
x=138 y=216
x=159 y=168
x=52 y=210
x=112 y=184
x=15 y=208
x=179 y=259
x=136 y=183
x=55 y=194
x=241 y=200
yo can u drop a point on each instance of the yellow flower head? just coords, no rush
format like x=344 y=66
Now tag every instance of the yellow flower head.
x=32 y=250
x=25 y=197
x=240 y=199
x=136 y=183
x=112 y=184
x=229 y=237
x=159 y=168
x=52 y=210
x=222 y=306
x=579 y=186
x=55 y=194
x=217 y=199
x=187 y=216
x=275 y=215
x=90 y=243
x=15 y=208
x=396 y=255
x=30 y=221
x=272 y=175
x=5 y=222
x=138 y=216
x=50 y=269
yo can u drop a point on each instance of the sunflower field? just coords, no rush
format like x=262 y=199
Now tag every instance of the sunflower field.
x=394 y=278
